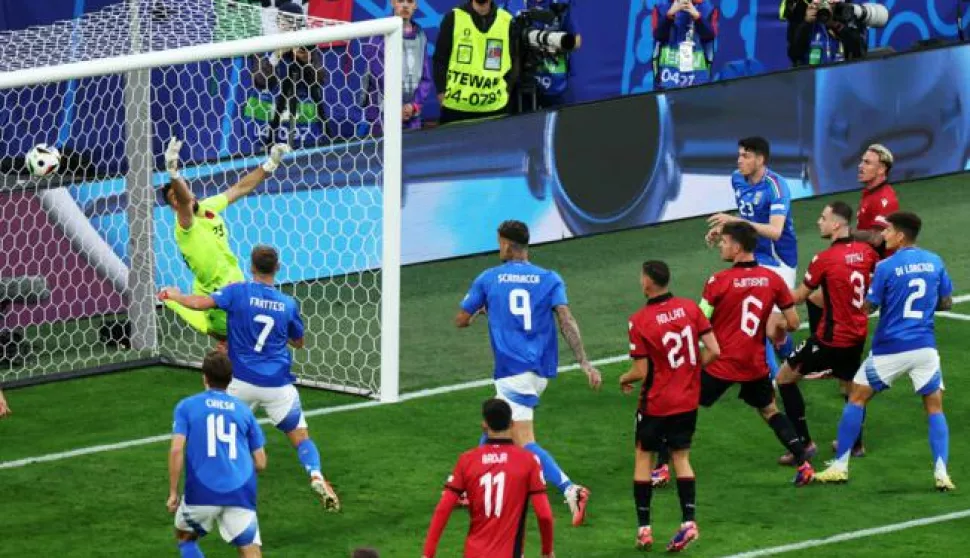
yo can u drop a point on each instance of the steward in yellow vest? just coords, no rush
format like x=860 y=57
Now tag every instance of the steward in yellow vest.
x=474 y=61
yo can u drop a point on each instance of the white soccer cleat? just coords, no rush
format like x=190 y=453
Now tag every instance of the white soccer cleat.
x=577 y=497
x=943 y=483
x=325 y=493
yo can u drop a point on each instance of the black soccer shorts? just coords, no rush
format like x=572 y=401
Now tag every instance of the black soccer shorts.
x=812 y=357
x=756 y=393
x=674 y=431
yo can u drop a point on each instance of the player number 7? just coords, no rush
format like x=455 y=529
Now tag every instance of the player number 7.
x=268 y=324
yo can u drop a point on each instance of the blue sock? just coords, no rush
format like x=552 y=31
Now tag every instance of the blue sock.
x=550 y=469
x=309 y=456
x=939 y=441
x=771 y=358
x=483 y=439
x=849 y=427
x=190 y=549
x=787 y=347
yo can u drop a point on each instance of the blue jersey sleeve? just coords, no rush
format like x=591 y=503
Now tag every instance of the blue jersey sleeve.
x=475 y=298
x=295 y=328
x=878 y=286
x=181 y=423
x=558 y=292
x=224 y=296
x=255 y=436
x=778 y=195
x=946 y=285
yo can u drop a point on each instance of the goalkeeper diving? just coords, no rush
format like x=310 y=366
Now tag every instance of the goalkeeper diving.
x=202 y=237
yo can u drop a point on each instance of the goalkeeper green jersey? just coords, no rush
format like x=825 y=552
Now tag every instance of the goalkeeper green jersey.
x=205 y=247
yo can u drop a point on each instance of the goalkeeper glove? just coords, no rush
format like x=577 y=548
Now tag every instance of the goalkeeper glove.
x=172 y=158
x=276 y=154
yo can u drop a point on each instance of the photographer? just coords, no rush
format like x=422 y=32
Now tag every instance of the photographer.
x=823 y=32
x=684 y=33
x=474 y=61
x=549 y=66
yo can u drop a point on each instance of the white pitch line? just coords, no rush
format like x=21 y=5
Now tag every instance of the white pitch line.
x=313 y=413
x=336 y=409
x=852 y=535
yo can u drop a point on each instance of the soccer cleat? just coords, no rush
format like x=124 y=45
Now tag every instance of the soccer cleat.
x=577 y=497
x=944 y=484
x=789 y=459
x=832 y=475
x=687 y=534
x=804 y=474
x=660 y=476
x=857 y=451
x=644 y=538
x=325 y=493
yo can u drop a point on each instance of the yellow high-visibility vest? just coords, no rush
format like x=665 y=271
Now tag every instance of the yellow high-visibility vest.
x=479 y=62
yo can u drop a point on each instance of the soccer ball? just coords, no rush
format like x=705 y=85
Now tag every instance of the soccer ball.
x=43 y=160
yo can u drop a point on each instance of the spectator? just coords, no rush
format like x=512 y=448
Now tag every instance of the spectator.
x=683 y=33
x=475 y=61
x=416 y=71
x=553 y=71
x=291 y=73
x=814 y=40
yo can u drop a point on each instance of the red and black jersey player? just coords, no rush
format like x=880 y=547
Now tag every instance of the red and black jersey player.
x=500 y=479
x=739 y=300
x=842 y=273
x=665 y=338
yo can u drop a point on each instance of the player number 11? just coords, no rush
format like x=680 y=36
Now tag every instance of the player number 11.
x=493 y=484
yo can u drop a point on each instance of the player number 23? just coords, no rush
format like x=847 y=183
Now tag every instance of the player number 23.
x=521 y=305
x=494 y=487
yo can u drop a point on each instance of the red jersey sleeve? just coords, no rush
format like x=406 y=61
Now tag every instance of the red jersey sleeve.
x=783 y=298
x=456 y=481
x=638 y=345
x=537 y=482
x=814 y=273
x=712 y=290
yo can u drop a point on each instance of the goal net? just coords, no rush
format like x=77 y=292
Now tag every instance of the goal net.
x=86 y=249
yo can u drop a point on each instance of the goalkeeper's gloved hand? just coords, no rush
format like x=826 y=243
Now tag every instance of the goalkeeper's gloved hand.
x=172 y=157
x=276 y=154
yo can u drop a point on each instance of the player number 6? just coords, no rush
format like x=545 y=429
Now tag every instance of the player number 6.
x=749 y=320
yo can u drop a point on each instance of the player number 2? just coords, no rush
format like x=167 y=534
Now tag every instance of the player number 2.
x=268 y=324
x=494 y=486
x=520 y=305
x=858 y=288
x=675 y=343
x=215 y=426
x=917 y=294
x=749 y=320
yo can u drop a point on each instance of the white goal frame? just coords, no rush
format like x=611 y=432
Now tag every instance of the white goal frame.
x=139 y=285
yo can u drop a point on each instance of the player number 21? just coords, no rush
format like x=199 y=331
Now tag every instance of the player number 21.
x=215 y=427
x=675 y=347
x=268 y=324
x=493 y=484
x=520 y=305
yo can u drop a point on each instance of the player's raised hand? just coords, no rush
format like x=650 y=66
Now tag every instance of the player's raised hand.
x=593 y=375
x=168 y=292
x=712 y=236
x=720 y=219
x=172 y=503
x=172 y=157
x=276 y=154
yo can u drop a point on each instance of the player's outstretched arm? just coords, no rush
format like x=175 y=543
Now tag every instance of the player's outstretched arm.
x=570 y=331
x=195 y=302
x=711 y=349
x=249 y=182
x=801 y=293
x=4 y=408
x=540 y=503
x=772 y=230
x=442 y=513
x=873 y=237
x=175 y=460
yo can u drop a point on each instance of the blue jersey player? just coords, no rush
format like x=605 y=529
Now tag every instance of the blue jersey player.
x=217 y=440
x=764 y=200
x=523 y=302
x=907 y=288
x=261 y=323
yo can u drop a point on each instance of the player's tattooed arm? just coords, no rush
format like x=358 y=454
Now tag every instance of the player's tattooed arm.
x=570 y=331
x=873 y=237
x=945 y=303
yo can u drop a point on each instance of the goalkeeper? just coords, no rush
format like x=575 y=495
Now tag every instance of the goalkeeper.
x=202 y=238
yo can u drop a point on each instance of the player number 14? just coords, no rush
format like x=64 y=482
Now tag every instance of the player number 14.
x=494 y=486
x=215 y=427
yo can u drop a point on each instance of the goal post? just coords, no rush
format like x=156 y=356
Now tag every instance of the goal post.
x=104 y=248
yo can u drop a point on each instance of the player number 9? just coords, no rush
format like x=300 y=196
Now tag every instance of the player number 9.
x=520 y=305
